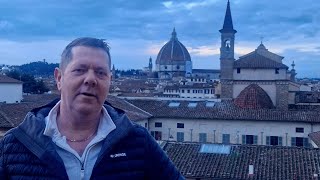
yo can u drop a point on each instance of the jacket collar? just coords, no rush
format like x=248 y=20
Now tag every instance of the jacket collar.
x=30 y=133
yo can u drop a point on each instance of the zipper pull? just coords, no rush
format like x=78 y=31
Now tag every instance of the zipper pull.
x=82 y=172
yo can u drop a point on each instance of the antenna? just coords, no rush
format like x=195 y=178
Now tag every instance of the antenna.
x=261 y=39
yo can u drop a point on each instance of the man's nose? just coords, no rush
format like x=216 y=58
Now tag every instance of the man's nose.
x=90 y=79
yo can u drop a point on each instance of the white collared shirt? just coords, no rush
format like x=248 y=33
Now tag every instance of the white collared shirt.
x=78 y=167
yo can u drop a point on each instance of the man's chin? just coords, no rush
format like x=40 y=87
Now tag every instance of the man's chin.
x=87 y=108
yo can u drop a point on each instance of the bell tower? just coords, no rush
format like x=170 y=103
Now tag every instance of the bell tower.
x=227 y=55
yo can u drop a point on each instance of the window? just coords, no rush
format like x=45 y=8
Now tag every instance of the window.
x=202 y=137
x=249 y=139
x=300 y=141
x=192 y=104
x=227 y=44
x=156 y=134
x=165 y=67
x=188 y=91
x=238 y=70
x=215 y=148
x=174 y=104
x=157 y=124
x=182 y=90
x=145 y=125
x=178 y=67
x=276 y=71
x=210 y=104
x=299 y=130
x=180 y=125
x=225 y=138
x=180 y=136
x=274 y=140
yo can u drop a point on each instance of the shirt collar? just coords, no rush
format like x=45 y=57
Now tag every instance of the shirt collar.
x=106 y=125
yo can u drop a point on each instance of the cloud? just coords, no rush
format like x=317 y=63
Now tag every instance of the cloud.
x=17 y=53
x=187 y=5
x=5 y=25
x=139 y=28
x=204 y=51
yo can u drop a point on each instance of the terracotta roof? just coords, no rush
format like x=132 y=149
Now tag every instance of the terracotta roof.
x=173 y=51
x=6 y=79
x=4 y=123
x=269 y=162
x=315 y=137
x=256 y=60
x=134 y=113
x=253 y=97
x=225 y=110
x=12 y=115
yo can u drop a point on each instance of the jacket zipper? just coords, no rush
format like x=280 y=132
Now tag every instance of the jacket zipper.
x=82 y=171
x=82 y=163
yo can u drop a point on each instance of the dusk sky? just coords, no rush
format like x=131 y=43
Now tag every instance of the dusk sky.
x=137 y=29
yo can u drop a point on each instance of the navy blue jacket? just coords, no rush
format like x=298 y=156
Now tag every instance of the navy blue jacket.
x=27 y=154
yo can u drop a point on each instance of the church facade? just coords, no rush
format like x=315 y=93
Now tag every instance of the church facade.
x=255 y=78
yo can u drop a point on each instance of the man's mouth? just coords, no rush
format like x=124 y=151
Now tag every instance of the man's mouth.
x=88 y=94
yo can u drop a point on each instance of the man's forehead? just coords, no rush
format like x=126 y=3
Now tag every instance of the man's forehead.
x=87 y=49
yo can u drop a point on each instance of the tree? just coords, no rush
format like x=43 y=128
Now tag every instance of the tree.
x=30 y=85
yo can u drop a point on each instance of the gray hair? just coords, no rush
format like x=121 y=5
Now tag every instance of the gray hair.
x=66 y=55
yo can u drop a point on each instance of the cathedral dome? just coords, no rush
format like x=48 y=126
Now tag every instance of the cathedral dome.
x=253 y=97
x=173 y=52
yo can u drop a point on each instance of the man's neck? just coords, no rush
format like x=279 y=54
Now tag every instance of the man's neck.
x=74 y=123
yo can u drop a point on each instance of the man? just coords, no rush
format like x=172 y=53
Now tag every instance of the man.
x=78 y=136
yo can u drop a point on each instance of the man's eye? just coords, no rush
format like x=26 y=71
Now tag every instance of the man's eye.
x=101 y=73
x=79 y=70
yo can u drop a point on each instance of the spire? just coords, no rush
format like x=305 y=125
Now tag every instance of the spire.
x=150 y=64
x=227 y=24
x=174 y=34
x=292 y=65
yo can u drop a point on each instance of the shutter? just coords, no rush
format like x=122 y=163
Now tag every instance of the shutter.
x=268 y=140
x=280 y=141
x=255 y=139
x=227 y=138
x=182 y=134
x=243 y=139
x=293 y=141
x=305 y=142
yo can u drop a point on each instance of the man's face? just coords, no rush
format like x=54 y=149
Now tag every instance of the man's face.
x=85 y=81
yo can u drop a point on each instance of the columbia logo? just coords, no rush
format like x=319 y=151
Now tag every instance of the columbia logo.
x=118 y=155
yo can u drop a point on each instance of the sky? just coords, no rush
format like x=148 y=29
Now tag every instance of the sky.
x=137 y=29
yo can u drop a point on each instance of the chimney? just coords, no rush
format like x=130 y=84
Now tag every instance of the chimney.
x=251 y=170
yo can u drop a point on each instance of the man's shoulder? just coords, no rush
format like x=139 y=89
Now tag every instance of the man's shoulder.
x=139 y=129
x=8 y=138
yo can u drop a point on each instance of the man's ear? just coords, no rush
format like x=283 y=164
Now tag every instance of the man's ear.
x=58 y=77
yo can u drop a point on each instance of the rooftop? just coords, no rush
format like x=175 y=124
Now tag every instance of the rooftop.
x=225 y=110
x=269 y=162
x=6 y=79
